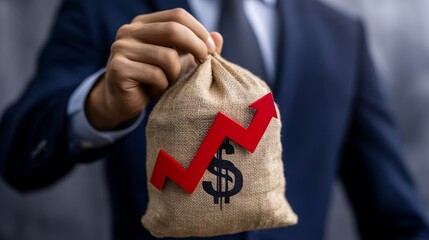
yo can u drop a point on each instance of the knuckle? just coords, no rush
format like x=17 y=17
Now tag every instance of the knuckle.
x=158 y=75
x=117 y=66
x=163 y=84
x=171 y=58
x=138 y=18
x=117 y=46
x=179 y=14
x=123 y=31
x=172 y=29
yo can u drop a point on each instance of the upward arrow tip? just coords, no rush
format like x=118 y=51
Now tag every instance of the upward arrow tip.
x=266 y=105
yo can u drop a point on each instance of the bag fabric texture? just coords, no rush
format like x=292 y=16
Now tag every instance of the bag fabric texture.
x=240 y=191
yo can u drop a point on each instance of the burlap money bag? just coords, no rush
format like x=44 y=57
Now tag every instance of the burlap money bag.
x=243 y=190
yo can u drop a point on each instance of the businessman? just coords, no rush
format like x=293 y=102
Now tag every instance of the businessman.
x=107 y=61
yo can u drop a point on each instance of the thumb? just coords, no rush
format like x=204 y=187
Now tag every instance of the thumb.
x=218 y=40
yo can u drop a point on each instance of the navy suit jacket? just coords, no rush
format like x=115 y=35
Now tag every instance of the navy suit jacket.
x=336 y=122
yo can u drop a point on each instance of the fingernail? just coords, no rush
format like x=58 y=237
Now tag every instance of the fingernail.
x=211 y=44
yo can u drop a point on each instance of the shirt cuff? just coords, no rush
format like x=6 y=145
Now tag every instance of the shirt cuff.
x=81 y=134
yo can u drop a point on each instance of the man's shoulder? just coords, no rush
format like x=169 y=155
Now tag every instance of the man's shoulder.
x=329 y=14
x=326 y=18
x=324 y=27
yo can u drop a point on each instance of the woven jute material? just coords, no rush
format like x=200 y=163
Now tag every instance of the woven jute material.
x=240 y=190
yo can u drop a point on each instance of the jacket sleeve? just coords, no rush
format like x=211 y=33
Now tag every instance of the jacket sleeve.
x=377 y=183
x=34 y=131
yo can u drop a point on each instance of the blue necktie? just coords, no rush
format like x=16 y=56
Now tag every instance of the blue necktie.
x=240 y=43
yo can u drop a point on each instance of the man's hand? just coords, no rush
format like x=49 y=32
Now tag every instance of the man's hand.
x=149 y=54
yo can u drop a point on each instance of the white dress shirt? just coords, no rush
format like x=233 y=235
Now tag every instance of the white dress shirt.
x=262 y=16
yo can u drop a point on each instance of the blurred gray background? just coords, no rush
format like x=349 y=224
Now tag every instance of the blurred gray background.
x=77 y=207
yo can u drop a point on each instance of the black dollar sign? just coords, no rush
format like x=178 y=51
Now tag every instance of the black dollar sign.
x=221 y=168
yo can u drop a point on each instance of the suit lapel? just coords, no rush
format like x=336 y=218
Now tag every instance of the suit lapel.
x=291 y=58
x=161 y=5
x=285 y=83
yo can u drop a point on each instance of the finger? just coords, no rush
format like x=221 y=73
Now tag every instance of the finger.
x=174 y=34
x=129 y=74
x=218 y=41
x=166 y=58
x=178 y=15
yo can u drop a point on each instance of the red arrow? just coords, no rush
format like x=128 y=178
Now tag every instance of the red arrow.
x=223 y=126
